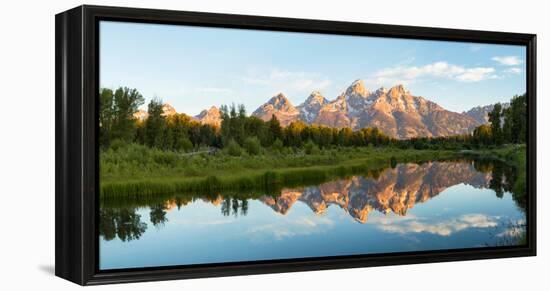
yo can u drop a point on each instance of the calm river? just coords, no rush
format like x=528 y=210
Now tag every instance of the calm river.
x=410 y=207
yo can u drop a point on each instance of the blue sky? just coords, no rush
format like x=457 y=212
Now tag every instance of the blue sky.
x=193 y=68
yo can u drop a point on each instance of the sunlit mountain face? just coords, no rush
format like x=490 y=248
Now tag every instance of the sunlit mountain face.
x=395 y=111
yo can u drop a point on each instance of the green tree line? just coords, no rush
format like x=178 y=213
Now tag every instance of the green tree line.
x=247 y=131
x=239 y=132
x=506 y=125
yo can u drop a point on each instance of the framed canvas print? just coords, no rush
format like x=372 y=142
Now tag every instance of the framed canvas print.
x=197 y=144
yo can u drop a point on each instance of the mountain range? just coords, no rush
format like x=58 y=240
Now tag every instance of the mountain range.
x=167 y=110
x=395 y=111
x=481 y=113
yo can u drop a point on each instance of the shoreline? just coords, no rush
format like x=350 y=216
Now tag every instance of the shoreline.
x=272 y=180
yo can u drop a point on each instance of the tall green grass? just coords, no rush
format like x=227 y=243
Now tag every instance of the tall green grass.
x=137 y=171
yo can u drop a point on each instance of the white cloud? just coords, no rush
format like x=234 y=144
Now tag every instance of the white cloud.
x=475 y=48
x=255 y=81
x=478 y=220
x=200 y=222
x=214 y=90
x=514 y=70
x=515 y=229
x=288 y=80
x=289 y=227
x=476 y=74
x=410 y=74
x=507 y=60
x=407 y=61
x=442 y=228
x=511 y=232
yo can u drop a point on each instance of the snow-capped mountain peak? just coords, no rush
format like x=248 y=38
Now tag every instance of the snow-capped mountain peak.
x=312 y=105
x=394 y=111
x=357 y=88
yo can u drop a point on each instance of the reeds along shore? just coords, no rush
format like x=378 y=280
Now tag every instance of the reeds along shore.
x=167 y=173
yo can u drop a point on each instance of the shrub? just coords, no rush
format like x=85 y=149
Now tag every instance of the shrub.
x=277 y=145
x=183 y=143
x=233 y=148
x=118 y=144
x=252 y=145
x=311 y=148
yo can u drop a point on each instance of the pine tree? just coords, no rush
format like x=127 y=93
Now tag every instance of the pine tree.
x=496 y=128
x=155 y=124
x=518 y=106
x=275 y=130
x=105 y=116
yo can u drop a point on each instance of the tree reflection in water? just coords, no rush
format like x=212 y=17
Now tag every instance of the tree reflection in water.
x=123 y=223
x=158 y=215
x=233 y=205
x=395 y=189
x=504 y=178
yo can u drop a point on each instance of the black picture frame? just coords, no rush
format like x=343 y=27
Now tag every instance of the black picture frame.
x=76 y=177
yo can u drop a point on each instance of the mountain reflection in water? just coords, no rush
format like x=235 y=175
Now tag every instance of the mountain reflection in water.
x=392 y=190
x=396 y=190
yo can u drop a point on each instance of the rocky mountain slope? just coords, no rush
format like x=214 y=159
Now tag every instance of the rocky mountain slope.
x=279 y=106
x=481 y=113
x=167 y=110
x=212 y=116
x=396 y=112
x=311 y=107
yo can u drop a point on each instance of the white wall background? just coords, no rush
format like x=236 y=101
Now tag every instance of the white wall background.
x=27 y=144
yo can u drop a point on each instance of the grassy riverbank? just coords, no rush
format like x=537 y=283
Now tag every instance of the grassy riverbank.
x=514 y=156
x=137 y=170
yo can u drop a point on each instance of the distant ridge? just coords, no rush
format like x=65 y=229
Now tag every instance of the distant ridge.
x=395 y=111
x=481 y=113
